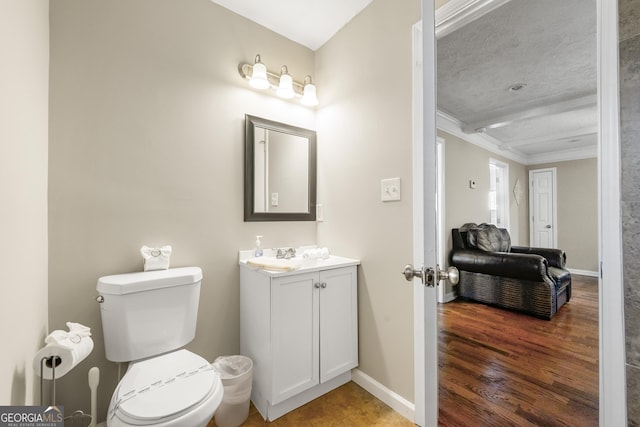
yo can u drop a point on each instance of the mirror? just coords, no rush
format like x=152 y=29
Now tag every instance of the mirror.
x=279 y=171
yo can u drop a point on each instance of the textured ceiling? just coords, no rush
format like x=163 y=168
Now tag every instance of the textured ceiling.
x=547 y=45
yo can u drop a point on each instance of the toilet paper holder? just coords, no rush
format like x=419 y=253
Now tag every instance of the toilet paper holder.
x=50 y=362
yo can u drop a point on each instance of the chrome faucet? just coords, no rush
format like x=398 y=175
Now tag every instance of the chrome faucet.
x=286 y=253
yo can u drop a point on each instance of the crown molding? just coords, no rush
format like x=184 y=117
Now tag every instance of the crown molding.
x=447 y=123
x=561 y=136
x=563 y=156
x=450 y=124
x=458 y=13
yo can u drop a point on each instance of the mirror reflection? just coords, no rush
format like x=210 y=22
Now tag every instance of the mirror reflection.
x=279 y=171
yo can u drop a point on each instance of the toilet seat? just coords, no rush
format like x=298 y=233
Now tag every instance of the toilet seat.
x=158 y=390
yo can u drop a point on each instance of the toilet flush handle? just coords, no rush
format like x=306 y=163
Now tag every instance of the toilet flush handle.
x=100 y=299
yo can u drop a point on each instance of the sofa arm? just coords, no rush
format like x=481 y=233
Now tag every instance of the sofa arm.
x=555 y=257
x=506 y=264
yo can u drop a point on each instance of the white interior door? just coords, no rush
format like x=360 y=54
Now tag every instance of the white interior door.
x=543 y=208
x=424 y=222
x=613 y=402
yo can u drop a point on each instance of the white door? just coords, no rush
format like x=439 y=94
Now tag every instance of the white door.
x=424 y=222
x=542 y=208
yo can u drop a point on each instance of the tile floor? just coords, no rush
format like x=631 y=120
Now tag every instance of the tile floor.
x=346 y=406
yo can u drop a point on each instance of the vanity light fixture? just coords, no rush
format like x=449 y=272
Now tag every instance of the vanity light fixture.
x=283 y=84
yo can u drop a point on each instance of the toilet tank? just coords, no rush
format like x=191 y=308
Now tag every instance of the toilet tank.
x=148 y=313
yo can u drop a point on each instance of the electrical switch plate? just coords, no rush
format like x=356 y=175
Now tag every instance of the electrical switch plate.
x=472 y=183
x=274 y=199
x=390 y=189
x=319 y=212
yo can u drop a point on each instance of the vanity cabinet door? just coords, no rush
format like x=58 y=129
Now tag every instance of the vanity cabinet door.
x=294 y=334
x=338 y=322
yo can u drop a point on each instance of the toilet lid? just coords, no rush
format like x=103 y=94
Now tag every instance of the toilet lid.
x=165 y=386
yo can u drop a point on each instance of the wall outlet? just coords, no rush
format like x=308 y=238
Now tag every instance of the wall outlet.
x=390 y=189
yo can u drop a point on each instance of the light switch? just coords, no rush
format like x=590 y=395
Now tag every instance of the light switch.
x=390 y=189
x=472 y=183
x=274 y=199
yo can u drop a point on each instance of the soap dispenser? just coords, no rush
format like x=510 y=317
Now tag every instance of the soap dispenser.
x=258 y=251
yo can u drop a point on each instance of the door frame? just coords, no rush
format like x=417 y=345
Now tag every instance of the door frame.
x=612 y=378
x=554 y=208
x=504 y=187
x=613 y=384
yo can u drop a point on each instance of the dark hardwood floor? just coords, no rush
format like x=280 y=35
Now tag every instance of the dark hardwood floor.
x=502 y=368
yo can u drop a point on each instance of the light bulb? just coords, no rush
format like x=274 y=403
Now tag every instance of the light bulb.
x=259 y=75
x=285 y=90
x=309 y=93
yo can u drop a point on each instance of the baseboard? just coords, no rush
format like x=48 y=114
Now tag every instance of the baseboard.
x=395 y=401
x=449 y=296
x=583 y=272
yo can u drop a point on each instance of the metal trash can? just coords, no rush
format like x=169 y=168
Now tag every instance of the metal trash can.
x=236 y=375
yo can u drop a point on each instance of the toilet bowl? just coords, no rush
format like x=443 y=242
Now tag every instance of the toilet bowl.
x=177 y=389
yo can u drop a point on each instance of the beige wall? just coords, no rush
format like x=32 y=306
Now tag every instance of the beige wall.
x=577 y=183
x=364 y=135
x=465 y=161
x=24 y=80
x=147 y=122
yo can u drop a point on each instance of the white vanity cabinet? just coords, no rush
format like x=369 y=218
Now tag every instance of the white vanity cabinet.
x=300 y=328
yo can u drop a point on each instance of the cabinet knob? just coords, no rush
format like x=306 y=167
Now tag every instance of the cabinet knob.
x=317 y=285
x=323 y=285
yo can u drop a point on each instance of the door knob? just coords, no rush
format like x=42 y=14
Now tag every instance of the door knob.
x=423 y=273
x=429 y=277
x=452 y=275
x=548 y=226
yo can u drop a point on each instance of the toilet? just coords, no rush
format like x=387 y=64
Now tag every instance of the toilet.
x=147 y=318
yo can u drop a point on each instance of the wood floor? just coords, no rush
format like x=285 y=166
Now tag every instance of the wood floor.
x=497 y=368
x=349 y=405
x=502 y=368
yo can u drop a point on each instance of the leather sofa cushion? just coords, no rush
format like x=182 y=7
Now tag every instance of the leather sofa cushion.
x=487 y=237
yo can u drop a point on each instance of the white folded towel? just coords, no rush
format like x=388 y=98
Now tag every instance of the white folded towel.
x=156 y=258
x=274 y=264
